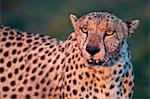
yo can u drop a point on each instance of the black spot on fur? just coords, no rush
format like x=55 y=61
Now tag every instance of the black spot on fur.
x=14 y=96
x=5 y=88
x=8 y=44
x=1 y=69
x=75 y=92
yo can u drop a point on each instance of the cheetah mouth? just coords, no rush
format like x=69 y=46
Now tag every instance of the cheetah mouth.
x=95 y=62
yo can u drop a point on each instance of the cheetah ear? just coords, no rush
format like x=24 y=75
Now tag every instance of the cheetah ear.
x=132 y=25
x=73 y=19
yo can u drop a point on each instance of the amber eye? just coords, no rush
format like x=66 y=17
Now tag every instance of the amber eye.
x=84 y=30
x=109 y=33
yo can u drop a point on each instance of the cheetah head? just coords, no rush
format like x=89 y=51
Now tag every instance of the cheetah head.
x=100 y=35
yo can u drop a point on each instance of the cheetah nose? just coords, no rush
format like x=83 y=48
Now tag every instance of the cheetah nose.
x=92 y=50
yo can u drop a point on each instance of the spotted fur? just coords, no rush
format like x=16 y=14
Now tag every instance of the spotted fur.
x=86 y=65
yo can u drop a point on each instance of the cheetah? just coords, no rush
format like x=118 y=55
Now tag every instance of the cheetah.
x=93 y=63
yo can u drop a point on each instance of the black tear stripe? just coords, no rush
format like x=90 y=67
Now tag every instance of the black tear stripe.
x=104 y=45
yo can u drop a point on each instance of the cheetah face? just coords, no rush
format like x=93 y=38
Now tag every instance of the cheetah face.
x=100 y=36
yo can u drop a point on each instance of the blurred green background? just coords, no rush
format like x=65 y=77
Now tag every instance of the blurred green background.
x=52 y=18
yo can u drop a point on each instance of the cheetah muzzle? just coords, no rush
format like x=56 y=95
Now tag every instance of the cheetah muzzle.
x=107 y=61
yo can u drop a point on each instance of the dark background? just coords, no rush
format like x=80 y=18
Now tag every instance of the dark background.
x=52 y=18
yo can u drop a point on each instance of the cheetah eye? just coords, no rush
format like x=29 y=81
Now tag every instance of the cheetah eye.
x=109 y=32
x=84 y=30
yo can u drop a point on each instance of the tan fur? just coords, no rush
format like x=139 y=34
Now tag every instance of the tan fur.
x=33 y=66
